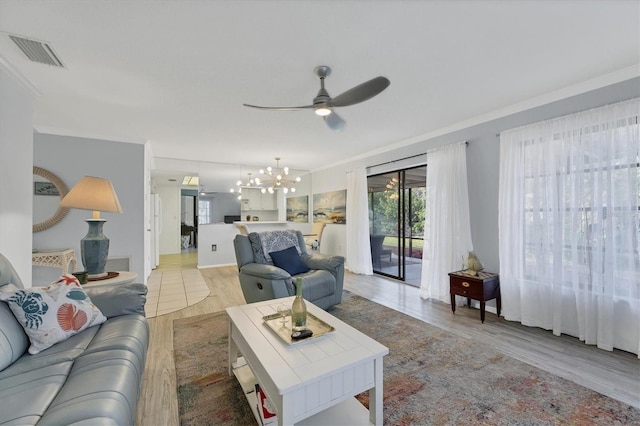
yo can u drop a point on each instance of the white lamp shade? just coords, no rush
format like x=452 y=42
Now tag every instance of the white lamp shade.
x=92 y=193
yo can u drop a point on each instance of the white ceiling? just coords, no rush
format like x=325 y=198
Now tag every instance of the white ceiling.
x=176 y=73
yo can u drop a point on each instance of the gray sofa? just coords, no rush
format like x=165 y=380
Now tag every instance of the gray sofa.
x=92 y=378
x=261 y=280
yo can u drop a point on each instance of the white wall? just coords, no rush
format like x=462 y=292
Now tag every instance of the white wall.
x=170 y=219
x=222 y=236
x=148 y=166
x=16 y=158
x=71 y=158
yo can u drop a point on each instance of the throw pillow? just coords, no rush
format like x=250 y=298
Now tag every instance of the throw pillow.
x=54 y=313
x=278 y=240
x=289 y=259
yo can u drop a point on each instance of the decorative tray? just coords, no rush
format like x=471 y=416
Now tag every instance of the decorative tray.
x=315 y=324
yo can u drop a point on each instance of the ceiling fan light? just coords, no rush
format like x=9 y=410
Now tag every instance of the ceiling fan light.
x=323 y=110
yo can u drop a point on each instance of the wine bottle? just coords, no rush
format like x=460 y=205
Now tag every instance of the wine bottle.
x=299 y=309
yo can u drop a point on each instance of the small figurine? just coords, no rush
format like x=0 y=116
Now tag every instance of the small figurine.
x=473 y=265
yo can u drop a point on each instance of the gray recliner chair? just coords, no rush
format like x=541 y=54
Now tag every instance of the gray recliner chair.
x=261 y=280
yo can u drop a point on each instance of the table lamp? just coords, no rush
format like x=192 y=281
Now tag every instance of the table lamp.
x=97 y=194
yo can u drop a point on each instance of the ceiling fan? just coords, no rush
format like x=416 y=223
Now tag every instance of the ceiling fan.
x=324 y=105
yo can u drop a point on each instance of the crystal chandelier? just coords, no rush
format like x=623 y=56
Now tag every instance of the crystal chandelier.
x=277 y=178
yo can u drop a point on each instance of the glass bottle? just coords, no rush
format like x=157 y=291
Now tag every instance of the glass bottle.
x=299 y=309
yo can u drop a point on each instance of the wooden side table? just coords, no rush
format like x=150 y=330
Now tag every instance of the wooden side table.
x=484 y=286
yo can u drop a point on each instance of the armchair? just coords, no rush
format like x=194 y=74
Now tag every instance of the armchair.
x=261 y=280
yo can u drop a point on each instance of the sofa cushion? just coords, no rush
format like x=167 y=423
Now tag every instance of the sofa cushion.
x=61 y=352
x=26 y=397
x=121 y=299
x=13 y=340
x=101 y=385
x=54 y=313
x=289 y=259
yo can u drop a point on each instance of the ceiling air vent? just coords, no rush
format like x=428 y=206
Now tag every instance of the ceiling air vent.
x=37 y=51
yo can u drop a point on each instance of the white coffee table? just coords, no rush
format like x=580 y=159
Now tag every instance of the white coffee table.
x=314 y=379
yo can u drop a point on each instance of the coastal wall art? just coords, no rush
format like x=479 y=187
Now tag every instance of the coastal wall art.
x=330 y=207
x=298 y=209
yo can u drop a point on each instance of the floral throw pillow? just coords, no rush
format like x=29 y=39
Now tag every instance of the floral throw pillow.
x=53 y=313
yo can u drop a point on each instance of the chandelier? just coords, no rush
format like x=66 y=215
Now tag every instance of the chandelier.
x=277 y=178
x=244 y=184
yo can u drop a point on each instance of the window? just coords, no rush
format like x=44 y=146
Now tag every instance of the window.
x=569 y=222
x=205 y=211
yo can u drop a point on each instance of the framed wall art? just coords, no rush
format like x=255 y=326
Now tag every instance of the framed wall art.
x=330 y=207
x=298 y=209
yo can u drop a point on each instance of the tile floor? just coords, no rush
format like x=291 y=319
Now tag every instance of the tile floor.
x=175 y=284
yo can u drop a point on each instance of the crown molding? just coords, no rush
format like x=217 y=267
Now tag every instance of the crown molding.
x=19 y=77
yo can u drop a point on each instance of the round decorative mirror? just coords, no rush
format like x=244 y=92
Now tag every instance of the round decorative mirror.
x=48 y=190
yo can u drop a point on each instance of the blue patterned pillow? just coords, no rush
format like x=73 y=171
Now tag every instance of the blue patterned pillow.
x=289 y=259
x=278 y=240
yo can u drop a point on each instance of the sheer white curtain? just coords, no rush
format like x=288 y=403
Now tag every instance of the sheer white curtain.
x=358 y=249
x=447 y=224
x=570 y=225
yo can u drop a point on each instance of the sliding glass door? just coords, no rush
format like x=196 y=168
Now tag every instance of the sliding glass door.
x=396 y=223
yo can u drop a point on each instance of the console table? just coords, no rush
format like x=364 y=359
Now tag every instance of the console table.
x=484 y=286
x=56 y=258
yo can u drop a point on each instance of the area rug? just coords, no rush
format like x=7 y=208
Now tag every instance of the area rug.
x=431 y=377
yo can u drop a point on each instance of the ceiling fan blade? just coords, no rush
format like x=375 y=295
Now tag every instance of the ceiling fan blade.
x=280 y=108
x=361 y=93
x=334 y=122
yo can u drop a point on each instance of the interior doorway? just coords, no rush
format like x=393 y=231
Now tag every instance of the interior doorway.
x=397 y=209
x=188 y=220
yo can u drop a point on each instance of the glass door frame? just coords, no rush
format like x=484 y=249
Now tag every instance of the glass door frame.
x=404 y=217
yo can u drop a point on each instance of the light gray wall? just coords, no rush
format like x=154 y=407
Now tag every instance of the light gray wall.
x=71 y=158
x=223 y=204
x=482 y=165
x=16 y=152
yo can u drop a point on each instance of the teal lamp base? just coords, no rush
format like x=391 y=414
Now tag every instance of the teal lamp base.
x=94 y=249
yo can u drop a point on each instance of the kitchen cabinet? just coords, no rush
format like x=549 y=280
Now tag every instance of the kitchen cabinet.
x=254 y=200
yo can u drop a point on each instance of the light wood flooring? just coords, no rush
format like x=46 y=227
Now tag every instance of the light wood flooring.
x=616 y=374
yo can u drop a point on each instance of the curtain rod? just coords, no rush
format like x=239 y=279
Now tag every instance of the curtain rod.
x=395 y=161
x=406 y=158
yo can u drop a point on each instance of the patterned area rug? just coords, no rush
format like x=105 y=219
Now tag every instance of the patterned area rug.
x=431 y=377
